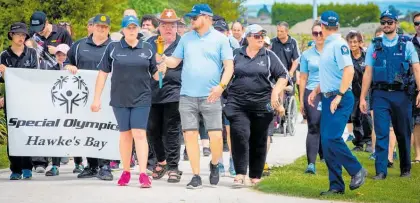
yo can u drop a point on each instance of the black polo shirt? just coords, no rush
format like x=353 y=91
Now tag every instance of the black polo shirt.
x=132 y=69
x=287 y=52
x=28 y=59
x=359 y=69
x=85 y=54
x=171 y=82
x=253 y=79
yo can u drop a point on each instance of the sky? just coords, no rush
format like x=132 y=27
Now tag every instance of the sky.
x=248 y=2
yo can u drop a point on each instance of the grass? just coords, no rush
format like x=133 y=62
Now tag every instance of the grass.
x=290 y=180
x=4 y=160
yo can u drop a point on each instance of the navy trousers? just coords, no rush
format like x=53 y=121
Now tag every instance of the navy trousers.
x=395 y=106
x=336 y=152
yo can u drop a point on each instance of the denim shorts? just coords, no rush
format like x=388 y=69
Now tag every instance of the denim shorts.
x=190 y=109
x=132 y=117
x=225 y=120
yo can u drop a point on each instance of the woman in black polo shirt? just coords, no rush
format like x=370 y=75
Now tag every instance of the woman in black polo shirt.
x=132 y=62
x=249 y=107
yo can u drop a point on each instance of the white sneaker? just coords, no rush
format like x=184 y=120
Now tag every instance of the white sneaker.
x=40 y=169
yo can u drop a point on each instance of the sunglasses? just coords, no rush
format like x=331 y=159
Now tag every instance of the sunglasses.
x=316 y=34
x=417 y=23
x=389 y=22
x=195 y=17
x=258 y=35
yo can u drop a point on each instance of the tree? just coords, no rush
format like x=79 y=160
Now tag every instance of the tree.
x=407 y=27
x=143 y=7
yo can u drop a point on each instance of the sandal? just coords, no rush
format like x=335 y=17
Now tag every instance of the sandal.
x=174 y=176
x=238 y=183
x=159 y=174
x=415 y=162
x=254 y=183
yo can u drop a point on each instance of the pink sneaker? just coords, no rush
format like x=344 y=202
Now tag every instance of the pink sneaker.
x=145 y=181
x=124 y=179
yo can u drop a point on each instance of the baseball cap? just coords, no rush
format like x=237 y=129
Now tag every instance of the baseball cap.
x=330 y=19
x=168 y=16
x=128 y=20
x=200 y=9
x=18 y=28
x=181 y=22
x=63 y=48
x=90 y=21
x=254 y=28
x=267 y=40
x=221 y=25
x=389 y=14
x=102 y=19
x=38 y=20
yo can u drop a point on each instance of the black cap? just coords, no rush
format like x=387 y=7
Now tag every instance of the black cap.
x=102 y=19
x=38 y=20
x=221 y=25
x=18 y=28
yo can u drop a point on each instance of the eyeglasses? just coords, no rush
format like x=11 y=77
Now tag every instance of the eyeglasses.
x=389 y=22
x=316 y=34
x=257 y=35
x=417 y=23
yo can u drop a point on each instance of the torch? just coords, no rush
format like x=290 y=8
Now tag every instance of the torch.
x=160 y=49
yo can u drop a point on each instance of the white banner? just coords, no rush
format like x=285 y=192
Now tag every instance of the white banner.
x=48 y=114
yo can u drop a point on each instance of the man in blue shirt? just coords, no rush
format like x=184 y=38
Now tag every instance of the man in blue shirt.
x=206 y=53
x=335 y=78
x=388 y=73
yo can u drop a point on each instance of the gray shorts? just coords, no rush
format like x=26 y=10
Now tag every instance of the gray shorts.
x=190 y=109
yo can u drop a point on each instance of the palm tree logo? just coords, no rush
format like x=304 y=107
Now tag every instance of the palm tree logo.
x=69 y=93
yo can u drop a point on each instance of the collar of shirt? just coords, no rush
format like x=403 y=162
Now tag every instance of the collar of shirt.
x=89 y=41
x=390 y=42
x=211 y=29
x=332 y=38
x=416 y=40
x=54 y=29
x=363 y=53
x=242 y=51
x=125 y=45
x=11 y=53
x=316 y=50
x=289 y=40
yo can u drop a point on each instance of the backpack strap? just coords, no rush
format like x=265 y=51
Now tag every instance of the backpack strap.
x=377 y=41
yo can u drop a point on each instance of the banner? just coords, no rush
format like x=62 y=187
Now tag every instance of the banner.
x=48 y=114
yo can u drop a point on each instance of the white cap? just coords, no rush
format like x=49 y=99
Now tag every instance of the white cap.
x=254 y=28
x=63 y=48
x=267 y=40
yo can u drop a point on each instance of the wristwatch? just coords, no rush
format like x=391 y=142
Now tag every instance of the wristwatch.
x=340 y=94
x=222 y=85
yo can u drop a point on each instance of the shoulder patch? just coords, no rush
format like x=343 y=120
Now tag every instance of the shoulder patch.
x=345 y=50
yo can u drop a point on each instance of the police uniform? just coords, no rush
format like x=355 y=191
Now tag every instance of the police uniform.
x=334 y=58
x=390 y=61
x=416 y=111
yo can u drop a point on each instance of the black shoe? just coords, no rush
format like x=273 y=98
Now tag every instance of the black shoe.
x=206 y=151
x=88 y=173
x=225 y=147
x=358 y=149
x=380 y=176
x=332 y=192
x=214 y=174
x=195 y=183
x=105 y=173
x=405 y=174
x=390 y=164
x=358 y=179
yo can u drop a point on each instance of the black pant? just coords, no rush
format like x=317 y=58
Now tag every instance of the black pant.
x=362 y=125
x=56 y=161
x=313 y=138
x=249 y=133
x=163 y=131
x=19 y=163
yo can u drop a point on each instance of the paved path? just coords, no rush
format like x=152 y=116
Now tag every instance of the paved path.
x=66 y=188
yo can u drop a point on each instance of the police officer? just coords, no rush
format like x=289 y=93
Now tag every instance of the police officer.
x=18 y=56
x=416 y=133
x=86 y=54
x=388 y=72
x=335 y=78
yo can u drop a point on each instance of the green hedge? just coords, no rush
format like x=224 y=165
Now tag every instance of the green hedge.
x=350 y=14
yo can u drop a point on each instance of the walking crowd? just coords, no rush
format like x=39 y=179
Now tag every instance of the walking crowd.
x=173 y=82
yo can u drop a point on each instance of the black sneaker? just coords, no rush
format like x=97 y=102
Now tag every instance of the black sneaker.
x=225 y=147
x=214 y=174
x=358 y=149
x=88 y=173
x=53 y=171
x=206 y=151
x=105 y=173
x=195 y=183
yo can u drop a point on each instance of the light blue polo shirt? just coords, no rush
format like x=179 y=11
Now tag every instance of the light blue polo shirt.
x=203 y=58
x=410 y=51
x=334 y=57
x=309 y=64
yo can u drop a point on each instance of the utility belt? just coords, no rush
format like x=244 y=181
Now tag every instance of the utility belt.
x=333 y=93
x=390 y=87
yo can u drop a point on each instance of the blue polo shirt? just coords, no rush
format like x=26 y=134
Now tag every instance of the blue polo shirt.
x=85 y=54
x=334 y=57
x=203 y=58
x=132 y=69
x=410 y=51
x=309 y=64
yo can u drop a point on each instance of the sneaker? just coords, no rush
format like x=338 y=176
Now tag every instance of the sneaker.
x=53 y=171
x=15 y=176
x=372 y=156
x=78 y=168
x=231 y=168
x=225 y=147
x=105 y=173
x=358 y=149
x=186 y=158
x=64 y=160
x=206 y=151
x=214 y=174
x=195 y=183
x=369 y=147
x=310 y=169
x=145 y=181
x=395 y=155
x=132 y=162
x=124 y=178
x=114 y=165
x=26 y=174
x=88 y=173
x=221 y=168
x=39 y=169
x=350 y=138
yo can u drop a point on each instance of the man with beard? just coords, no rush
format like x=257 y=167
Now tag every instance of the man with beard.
x=388 y=73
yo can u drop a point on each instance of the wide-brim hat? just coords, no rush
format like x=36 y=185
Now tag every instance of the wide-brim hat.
x=168 y=16
x=18 y=28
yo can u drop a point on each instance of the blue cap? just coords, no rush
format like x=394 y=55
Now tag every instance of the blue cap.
x=128 y=20
x=200 y=9
x=389 y=14
x=330 y=19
